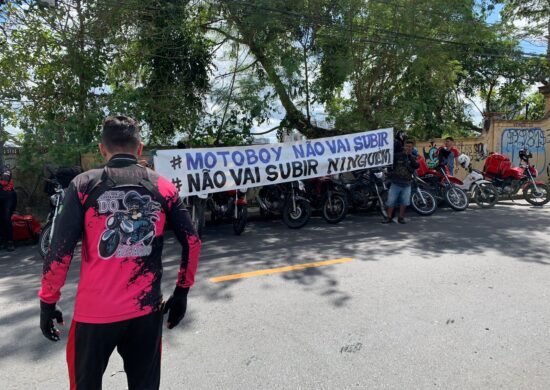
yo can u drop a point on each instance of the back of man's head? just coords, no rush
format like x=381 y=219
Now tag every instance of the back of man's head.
x=120 y=134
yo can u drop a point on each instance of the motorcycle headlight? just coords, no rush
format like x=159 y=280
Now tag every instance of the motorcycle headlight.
x=55 y=199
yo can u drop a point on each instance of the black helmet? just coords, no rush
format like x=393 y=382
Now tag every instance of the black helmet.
x=134 y=200
x=524 y=154
x=401 y=135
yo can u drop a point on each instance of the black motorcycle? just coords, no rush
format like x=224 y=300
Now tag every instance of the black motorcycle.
x=289 y=200
x=422 y=200
x=229 y=205
x=56 y=200
x=366 y=190
x=59 y=179
x=196 y=205
x=327 y=195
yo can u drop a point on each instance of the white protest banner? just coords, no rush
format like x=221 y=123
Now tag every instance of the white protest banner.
x=208 y=170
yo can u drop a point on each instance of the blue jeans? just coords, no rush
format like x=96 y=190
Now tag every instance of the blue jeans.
x=399 y=195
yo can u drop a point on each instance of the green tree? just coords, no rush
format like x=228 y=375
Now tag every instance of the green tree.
x=380 y=63
x=537 y=14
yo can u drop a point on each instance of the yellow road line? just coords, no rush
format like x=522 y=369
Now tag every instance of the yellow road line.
x=278 y=270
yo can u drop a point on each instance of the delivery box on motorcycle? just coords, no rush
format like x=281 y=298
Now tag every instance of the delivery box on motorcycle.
x=497 y=165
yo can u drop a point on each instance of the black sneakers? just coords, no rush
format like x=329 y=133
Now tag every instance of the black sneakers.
x=387 y=220
x=401 y=221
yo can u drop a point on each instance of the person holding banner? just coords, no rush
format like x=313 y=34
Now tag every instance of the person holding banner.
x=400 y=178
x=120 y=212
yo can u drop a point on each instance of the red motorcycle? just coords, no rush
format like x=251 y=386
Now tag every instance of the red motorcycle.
x=442 y=185
x=510 y=180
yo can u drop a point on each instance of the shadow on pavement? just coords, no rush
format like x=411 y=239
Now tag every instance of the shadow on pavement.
x=504 y=230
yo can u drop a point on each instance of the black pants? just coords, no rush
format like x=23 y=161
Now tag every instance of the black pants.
x=8 y=202
x=138 y=341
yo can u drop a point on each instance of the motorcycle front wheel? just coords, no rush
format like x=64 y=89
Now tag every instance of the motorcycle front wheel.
x=486 y=195
x=423 y=202
x=295 y=218
x=456 y=198
x=335 y=208
x=44 y=240
x=239 y=223
x=538 y=196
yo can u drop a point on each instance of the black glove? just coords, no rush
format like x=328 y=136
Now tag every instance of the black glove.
x=49 y=312
x=176 y=306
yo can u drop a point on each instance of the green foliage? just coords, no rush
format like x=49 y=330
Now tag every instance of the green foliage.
x=207 y=73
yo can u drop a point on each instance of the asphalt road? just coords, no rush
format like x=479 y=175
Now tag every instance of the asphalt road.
x=451 y=301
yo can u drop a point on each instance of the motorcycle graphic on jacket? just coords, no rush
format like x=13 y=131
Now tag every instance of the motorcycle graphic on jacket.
x=129 y=232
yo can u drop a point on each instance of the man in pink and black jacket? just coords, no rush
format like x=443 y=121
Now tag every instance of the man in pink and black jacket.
x=119 y=212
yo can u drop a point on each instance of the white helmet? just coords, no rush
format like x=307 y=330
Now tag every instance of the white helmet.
x=464 y=161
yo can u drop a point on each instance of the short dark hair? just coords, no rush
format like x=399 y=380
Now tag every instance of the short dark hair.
x=120 y=133
x=450 y=139
x=409 y=141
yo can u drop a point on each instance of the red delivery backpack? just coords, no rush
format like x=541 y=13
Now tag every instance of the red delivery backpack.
x=25 y=227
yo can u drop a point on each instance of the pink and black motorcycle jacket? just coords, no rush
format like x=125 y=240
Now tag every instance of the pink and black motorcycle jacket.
x=120 y=213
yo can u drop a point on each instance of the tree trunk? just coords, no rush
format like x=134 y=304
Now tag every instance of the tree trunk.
x=294 y=117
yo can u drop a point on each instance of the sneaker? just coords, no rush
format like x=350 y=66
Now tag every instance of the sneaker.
x=401 y=221
x=387 y=220
x=10 y=247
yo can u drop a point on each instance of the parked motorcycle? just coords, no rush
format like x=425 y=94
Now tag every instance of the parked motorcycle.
x=196 y=205
x=327 y=194
x=56 y=200
x=482 y=191
x=230 y=204
x=422 y=200
x=55 y=187
x=289 y=200
x=442 y=185
x=510 y=180
x=366 y=190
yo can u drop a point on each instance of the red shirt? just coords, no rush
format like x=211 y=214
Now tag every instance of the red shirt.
x=6 y=185
x=453 y=151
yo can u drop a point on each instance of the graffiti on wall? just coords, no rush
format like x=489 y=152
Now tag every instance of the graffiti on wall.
x=476 y=151
x=533 y=139
x=429 y=155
